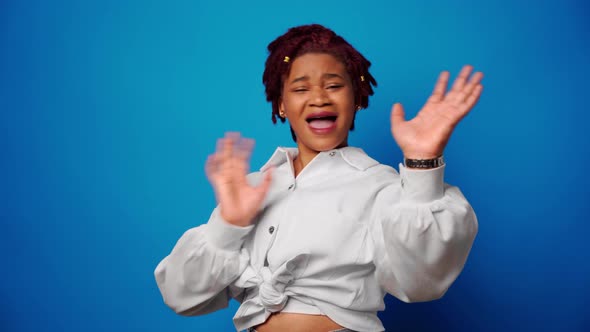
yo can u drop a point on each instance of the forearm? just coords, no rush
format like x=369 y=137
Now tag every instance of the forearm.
x=425 y=238
x=203 y=263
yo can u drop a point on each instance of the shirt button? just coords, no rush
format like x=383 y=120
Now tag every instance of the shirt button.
x=332 y=154
x=290 y=187
x=402 y=183
x=271 y=229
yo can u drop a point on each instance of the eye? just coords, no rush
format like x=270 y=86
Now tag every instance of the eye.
x=334 y=86
x=299 y=90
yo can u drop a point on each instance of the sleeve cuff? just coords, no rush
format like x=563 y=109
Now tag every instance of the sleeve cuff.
x=224 y=235
x=422 y=186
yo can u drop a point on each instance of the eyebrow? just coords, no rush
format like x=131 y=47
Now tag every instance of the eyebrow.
x=306 y=78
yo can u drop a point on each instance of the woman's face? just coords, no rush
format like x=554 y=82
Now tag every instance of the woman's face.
x=318 y=101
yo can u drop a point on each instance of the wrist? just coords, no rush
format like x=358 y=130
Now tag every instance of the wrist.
x=421 y=155
x=240 y=222
x=224 y=235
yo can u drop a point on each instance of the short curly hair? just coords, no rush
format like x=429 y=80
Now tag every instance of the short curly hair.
x=314 y=38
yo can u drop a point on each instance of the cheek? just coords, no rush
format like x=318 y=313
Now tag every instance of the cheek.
x=347 y=102
x=349 y=119
x=292 y=103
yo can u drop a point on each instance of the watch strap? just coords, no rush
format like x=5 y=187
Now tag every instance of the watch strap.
x=424 y=163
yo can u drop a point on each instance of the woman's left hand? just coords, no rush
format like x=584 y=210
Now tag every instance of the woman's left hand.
x=427 y=134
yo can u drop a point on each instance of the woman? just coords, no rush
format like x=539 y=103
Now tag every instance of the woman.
x=314 y=240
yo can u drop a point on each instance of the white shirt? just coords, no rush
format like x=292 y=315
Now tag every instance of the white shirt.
x=332 y=241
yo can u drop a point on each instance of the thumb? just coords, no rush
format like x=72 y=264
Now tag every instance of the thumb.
x=262 y=188
x=397 y=115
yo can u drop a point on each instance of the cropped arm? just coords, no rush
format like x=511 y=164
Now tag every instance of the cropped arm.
x=423 y=230
x=194 y=278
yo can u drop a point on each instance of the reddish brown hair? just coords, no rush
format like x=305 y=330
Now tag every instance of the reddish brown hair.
x=314 y=38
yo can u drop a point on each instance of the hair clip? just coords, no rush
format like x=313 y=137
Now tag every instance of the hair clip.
x=286 y=59
x=362 y=78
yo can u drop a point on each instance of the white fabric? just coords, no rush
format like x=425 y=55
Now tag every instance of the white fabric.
x=345 y=231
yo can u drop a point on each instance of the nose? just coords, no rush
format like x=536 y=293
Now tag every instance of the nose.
x=319 y=97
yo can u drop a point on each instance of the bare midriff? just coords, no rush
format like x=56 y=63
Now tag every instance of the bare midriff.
x=290 y=322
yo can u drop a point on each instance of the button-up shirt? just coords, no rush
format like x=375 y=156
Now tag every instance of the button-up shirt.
x=331 y=241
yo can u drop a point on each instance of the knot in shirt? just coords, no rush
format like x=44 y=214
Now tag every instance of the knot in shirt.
x=271 y=287
x=272 y=290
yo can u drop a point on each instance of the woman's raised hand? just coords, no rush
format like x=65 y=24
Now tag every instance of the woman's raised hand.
x=427 y=134
x=226 y=169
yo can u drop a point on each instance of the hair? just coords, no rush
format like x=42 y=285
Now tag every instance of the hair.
x=314 y=38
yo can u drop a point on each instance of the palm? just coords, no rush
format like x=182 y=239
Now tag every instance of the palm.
x=226 y=169
x=427 y=134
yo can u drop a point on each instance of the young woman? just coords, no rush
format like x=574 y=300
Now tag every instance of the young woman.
x=316 y=238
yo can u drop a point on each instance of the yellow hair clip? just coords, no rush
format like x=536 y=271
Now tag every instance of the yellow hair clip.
x=286 y=59
x=362 y=78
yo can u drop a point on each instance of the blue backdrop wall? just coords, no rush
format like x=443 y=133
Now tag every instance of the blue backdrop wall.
x=108 y=110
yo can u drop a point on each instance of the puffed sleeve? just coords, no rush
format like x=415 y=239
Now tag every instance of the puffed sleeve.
x=195 y=276
x=422 y=231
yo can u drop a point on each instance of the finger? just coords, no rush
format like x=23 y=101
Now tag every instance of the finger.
x=462 y=78
x=457 y=97
x=473 y=97
x=262 y=189
x=241 y=163
x=476 y=78
x=227 y=141
x=219 y=151
x=244 y=148
x=220 y=146
x=440 y=87
x=210 y=167
x=227 y=148
x=223 y=156
x=233 y=135
x=397 y=115
x=470 y=87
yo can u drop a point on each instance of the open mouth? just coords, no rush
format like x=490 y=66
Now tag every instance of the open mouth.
x=322 y=120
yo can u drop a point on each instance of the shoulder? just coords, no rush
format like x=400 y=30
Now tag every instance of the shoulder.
x=357 y=158
x=374 y=175
x=360 y=160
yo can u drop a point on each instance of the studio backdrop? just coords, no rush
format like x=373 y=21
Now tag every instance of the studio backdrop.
x=108 y=110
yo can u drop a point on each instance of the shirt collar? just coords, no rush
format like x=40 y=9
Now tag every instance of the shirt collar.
x=355 y=157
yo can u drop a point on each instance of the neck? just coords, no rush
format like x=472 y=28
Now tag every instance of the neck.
x=303 y=158
x=306 y=155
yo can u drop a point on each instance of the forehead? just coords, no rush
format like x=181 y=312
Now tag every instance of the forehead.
x=316 y=64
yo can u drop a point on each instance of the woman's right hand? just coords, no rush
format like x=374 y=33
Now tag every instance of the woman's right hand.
x=226 y=169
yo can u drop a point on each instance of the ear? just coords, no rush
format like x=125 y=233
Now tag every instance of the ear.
x=281 y=106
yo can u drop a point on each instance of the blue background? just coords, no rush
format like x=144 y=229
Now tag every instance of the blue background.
x=109 y=109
